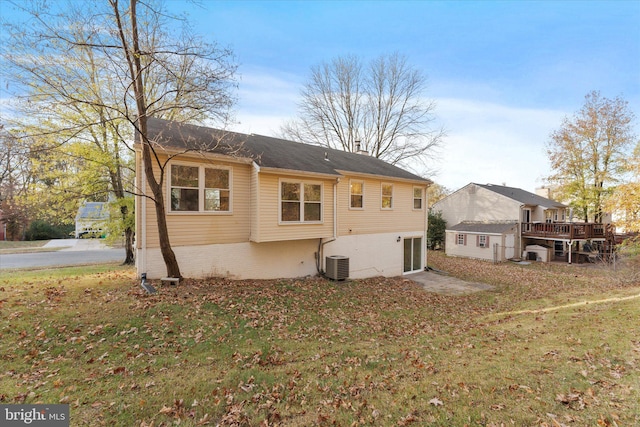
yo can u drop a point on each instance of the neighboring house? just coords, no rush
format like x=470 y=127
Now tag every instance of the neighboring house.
x=91 y=218
x=496 y=222
x=255 y=207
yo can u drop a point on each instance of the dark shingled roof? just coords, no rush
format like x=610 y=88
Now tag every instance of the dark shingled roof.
x=270 y=152
x=483 y=227
x=522 y=196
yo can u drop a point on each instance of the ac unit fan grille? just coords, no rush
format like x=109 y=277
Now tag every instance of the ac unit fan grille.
x=337 y=267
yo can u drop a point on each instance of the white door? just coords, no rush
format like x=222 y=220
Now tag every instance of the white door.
x=510 y=246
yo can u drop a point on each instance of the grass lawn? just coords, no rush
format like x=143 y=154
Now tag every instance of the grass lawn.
x=532 y=352
x=9 y=247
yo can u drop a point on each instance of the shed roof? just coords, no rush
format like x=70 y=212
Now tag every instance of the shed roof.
x=483 y=227
x=271 y=152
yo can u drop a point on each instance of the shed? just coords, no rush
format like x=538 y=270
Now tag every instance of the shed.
x=494 y=241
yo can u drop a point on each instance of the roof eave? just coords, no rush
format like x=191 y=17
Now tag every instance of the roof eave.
x=282 y=171
x=422 y=181
x=198 y=155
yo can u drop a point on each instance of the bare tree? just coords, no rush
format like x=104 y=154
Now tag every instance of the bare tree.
x=588 y=153
x=379 y=108
x=93 y=68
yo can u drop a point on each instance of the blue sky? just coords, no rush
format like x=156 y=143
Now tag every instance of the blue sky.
x=503 y=73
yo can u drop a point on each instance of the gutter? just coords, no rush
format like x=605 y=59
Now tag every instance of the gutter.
x=426 y=228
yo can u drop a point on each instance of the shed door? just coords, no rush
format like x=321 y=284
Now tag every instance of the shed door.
x=510 y=246
x=412 y=254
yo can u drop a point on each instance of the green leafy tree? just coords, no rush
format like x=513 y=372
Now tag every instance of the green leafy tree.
x=624 y=201
x=588 y=153
x=95 y=75
x=436 y=232
x=436 y=192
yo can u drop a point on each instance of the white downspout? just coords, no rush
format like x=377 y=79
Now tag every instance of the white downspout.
x=335 y=225
x=335 y=209
x=426 y=228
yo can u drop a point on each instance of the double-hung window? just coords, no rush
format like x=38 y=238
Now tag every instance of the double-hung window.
x=461 y=239
x=387 y=196
x=300 y=201
x=356 y=190
x=417 y=198
x=200 y=189
x=482 y=241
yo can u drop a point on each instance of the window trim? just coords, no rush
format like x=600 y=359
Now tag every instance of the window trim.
x=301 y=202
x=201 y=189
x=413 y=198
x=479 y=244
x=464 y=239
x=361 y=195
x=382 y=196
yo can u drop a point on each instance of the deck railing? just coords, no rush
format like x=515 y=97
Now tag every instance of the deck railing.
x=563 y=230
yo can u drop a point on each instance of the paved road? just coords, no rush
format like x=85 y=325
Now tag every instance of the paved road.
x=73 y=252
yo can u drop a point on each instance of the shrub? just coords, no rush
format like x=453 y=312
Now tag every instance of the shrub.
x=42 y=230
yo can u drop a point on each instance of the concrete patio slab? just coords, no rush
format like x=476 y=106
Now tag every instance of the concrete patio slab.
x=442 y=284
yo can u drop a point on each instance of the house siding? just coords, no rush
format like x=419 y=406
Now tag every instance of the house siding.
x=203 y=228
x=471 y=249
x=372 y=219
x=474 y=203
x=268 y=227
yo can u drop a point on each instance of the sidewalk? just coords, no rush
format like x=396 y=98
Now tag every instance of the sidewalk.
x=77 y=244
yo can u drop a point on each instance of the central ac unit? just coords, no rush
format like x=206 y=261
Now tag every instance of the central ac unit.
x=337 y=267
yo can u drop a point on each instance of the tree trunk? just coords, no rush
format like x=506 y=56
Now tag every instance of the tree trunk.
x=136 y=71
x=129 y=257
x=170 y=261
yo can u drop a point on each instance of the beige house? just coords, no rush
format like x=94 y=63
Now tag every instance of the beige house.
x=251 y=206
x=496 y=222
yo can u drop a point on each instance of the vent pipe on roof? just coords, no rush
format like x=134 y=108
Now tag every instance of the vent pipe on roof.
x=359 y=150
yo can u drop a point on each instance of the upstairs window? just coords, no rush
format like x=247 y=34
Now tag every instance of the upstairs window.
x=216 y=189
x=184 y=188
x=387 y=196
x=300 y=202
x=356 y=194
x=200 y=189
x=417 y=198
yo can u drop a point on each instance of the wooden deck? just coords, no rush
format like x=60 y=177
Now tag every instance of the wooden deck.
x=564 y=230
